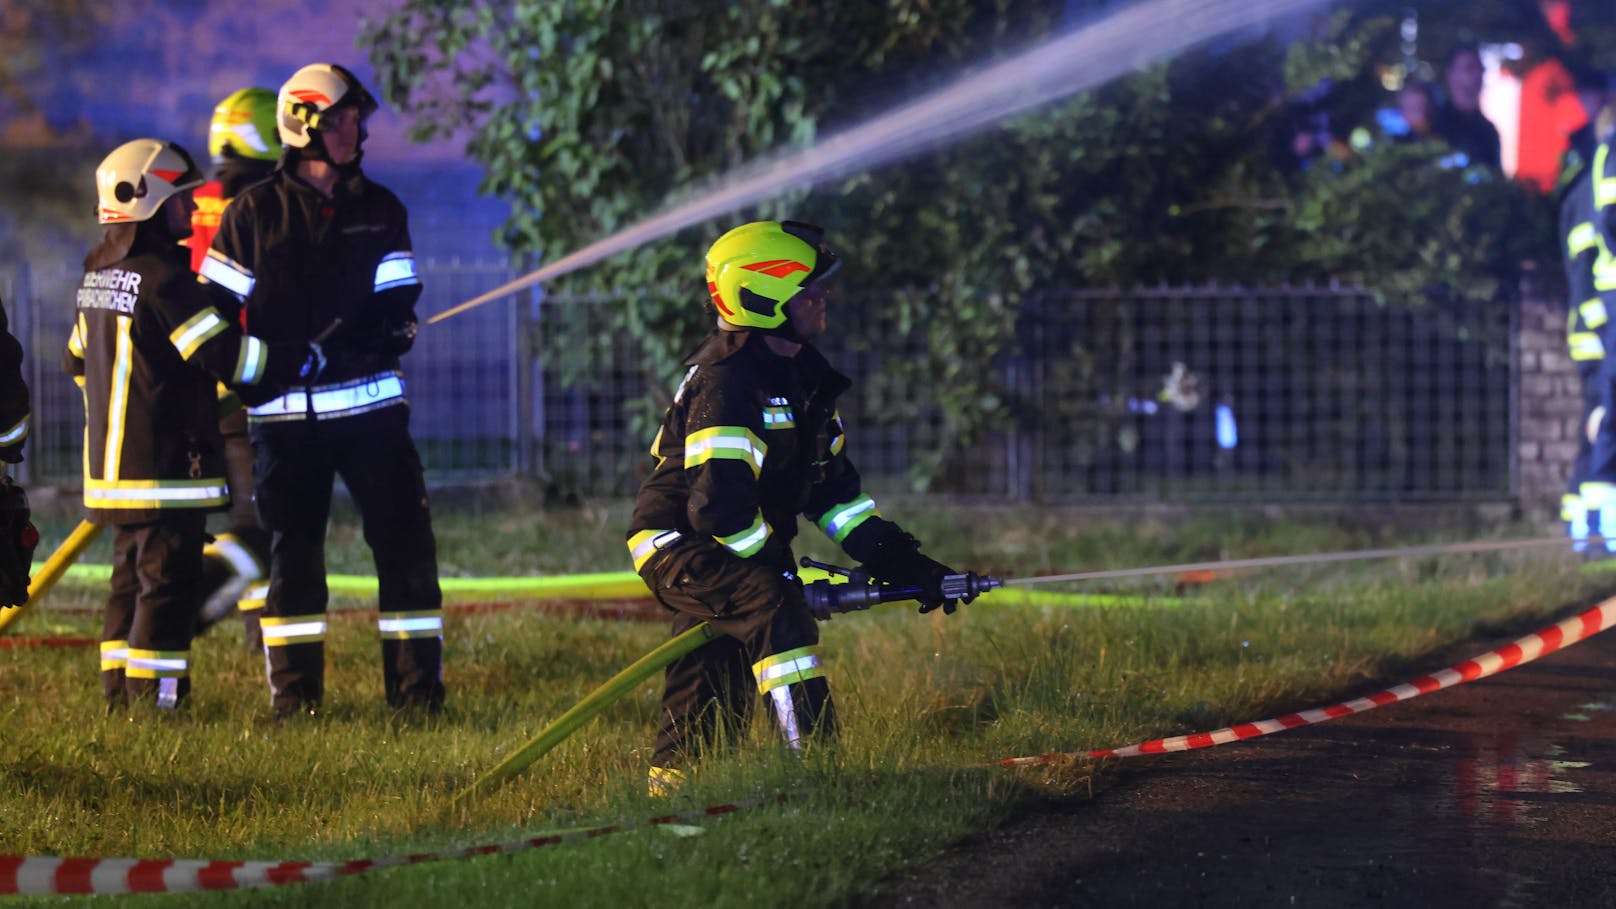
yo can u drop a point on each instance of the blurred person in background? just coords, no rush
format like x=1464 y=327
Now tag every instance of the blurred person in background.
x=1585 y=256
x=1459 y=119
x=147 y=350
x=752 y=440
x=244 y=146
x=1598 y=489
x=18 y=536
x=318 y=253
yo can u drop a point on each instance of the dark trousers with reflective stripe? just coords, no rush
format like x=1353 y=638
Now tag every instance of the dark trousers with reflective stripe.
x=156 y=590
x=1592 y=394
x=298 y=462
x=709 y=694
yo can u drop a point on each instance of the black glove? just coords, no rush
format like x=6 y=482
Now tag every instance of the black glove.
x=898 y=560
x=313 y=364
x=399 y=338
x=18 y=537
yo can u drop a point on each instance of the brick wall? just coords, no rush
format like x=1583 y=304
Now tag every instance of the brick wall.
x=1549 y=404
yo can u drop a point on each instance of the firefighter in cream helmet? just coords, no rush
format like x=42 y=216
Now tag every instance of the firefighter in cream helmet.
x=752 y=441
x=147 y=348
x=320 y=253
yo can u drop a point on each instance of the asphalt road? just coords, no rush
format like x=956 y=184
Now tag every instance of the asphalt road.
x=1501 y=792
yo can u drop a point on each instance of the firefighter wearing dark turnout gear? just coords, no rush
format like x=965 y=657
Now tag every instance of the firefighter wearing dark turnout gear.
x=320 y=253
x=1585 y=256
x=752 y=440
x=152 y=452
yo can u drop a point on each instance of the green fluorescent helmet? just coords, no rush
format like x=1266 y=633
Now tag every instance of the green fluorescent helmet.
x=755 y=269
x=244 y=123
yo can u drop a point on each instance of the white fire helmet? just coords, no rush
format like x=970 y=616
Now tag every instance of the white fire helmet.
x=310 y=93
x=135 y=180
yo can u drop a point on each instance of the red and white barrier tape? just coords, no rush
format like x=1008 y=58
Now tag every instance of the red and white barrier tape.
x=55 y=643
x=1520 y=651
x=33 y=875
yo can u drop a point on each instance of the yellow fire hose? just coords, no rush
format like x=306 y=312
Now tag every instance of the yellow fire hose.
x=55 y=566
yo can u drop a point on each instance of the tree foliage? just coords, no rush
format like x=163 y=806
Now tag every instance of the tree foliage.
x=591 y=114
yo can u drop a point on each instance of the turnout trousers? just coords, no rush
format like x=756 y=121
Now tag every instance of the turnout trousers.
x=151 y=610
x=297 y=463
x=769 y=648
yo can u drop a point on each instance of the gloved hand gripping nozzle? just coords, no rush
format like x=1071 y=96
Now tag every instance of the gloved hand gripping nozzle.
x=861 y=591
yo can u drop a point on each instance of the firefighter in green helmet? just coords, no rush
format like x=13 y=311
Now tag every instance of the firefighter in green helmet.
x=244 y=145
x=752 y=440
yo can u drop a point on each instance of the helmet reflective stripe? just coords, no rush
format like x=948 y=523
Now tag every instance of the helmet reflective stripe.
x=220 y=269
x=400 y=626
x=279 y=631
x=114 y=655
x=725 y=442
x=746 y=543
x=250 y=364
x=787 y=668
x=195 y=331
x=134 y=181
x=396 y=270
x=840 y=520
x=243 y=125
x=16 y=433
x=158 y=664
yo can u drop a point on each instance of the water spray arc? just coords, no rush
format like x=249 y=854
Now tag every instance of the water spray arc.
x=1127 y=40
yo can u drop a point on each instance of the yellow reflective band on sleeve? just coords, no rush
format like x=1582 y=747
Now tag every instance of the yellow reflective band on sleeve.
x=75 y=341
x=114 y=655
x=1585 y=346
x=158 y=664
x=195 y=331
x=253 y=597
x=205 y=493
x=725 y=442
x=220 y=269
x=396 y=269
x=403 y=626
x=840 y=442
x=643 y=545
x=656 y=447
x=1581 y=239
x=16 y=433
x=1595 y=495
x=250 y=362
x=747 y=543
x=1593 y=312
x=842 y=519
x=279 y=631
x=787 y=668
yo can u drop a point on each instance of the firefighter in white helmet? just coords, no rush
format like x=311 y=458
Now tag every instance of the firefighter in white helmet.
x=147 y=349
x=244 y=145
x=318 y=253
x=753 y=440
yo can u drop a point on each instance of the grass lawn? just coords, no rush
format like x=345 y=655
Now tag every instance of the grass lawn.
x=924 y=700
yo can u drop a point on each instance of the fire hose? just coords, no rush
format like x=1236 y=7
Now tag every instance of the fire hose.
x=825 y=598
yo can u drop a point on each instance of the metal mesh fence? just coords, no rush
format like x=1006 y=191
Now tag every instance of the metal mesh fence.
x=1203 y=394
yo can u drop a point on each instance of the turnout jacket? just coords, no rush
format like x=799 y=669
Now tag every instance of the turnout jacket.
x=751 y=441
x=300 y=262
x=14 y=410
x=1584 y=252
x=143 y=335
